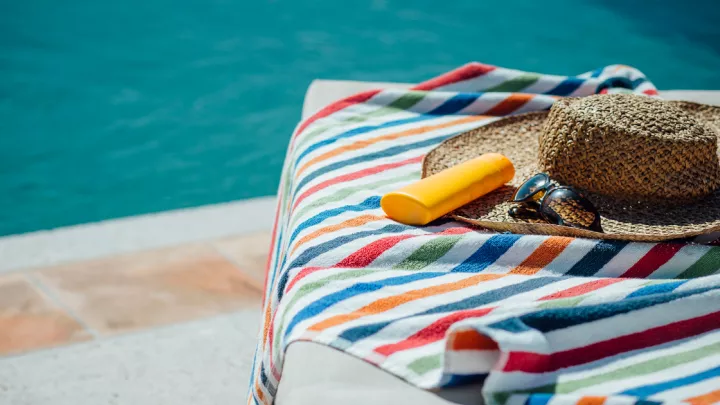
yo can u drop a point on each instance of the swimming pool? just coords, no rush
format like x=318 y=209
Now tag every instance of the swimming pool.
x=115 y=109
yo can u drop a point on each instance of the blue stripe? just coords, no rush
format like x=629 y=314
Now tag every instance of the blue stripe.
x=489 y=297
x=595 y=259
x=454 y=380
x=539 y=399
x=656 y=289
x=252 y=369
x=647 y=402
x=364 y=331
x=369 y=204
x=566 y=87
x=455 y=104
x=323 y=303
x=597 y=72
x=358 y=131
x=548 y=320
x=278 y=243
x=450 y=106
x=272 y=270
x=487 y=254
x=314 y=251
x=372 y=156
x=263 y=377
x=637 y=82
x=648 y=390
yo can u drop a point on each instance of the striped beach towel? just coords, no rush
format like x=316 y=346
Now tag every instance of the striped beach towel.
x=533 y=318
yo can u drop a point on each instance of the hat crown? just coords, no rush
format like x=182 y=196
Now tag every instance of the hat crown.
x=630 y=147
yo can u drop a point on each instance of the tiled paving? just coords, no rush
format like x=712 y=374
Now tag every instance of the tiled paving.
x=248 y=252
x=202 y=362
x=29 y=319
x=93 y=299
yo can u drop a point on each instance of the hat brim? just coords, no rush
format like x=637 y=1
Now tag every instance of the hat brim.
x=517 y=138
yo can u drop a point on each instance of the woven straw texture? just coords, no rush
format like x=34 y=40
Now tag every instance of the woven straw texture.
x=630 y=147
x=518 y=138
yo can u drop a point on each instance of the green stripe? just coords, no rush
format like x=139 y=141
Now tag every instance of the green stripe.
x=643 y=368
x=500 y=398
x=346 y=192
x=307 y=289
x=638 y=369
x=352 y=119
x=708 y=264
x=408 y=100
x=424 y=364
x=519 y=83
x=428 y=253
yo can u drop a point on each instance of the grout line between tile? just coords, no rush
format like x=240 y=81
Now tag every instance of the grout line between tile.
x=32 y=279
x=237 y=266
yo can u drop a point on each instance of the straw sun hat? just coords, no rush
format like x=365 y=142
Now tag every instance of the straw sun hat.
x=649 y=166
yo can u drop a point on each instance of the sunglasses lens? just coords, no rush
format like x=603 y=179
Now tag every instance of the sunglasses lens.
x=567 y=207
x=524 y=212
x=528 y=189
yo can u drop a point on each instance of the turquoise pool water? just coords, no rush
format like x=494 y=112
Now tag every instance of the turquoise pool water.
x=109 y=109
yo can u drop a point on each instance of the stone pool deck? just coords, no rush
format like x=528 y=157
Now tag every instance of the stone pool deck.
x=162 y=306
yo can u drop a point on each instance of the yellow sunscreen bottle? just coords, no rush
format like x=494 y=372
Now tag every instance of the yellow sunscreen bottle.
x=432 y=197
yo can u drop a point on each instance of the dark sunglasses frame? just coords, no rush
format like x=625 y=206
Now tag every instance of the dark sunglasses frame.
x=530 y=207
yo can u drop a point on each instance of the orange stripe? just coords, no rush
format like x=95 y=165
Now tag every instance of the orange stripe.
x=619 y=67
x=266 y=324
x=357 y=221
x=591 y=401
x=470 y=339
x=542 y=256
x=259 y=393
x=705 y=399
x=365 y=143
x=510 y=104
x=387 y=303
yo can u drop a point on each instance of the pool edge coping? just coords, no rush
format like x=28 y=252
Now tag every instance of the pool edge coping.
x=131 y=234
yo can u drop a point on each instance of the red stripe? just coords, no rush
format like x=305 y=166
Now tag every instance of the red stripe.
x=367 y=254
x=653 y=259
x=467 y=72
x=301 y=275
x=455 y=231
x=651 y=92
x=432 y=333
x=581 y=289
x=335 y=107
x=541 y=363
x=354 y=176
x=272 y=247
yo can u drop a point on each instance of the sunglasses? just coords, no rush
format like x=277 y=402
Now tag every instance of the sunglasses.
x=539 y=198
